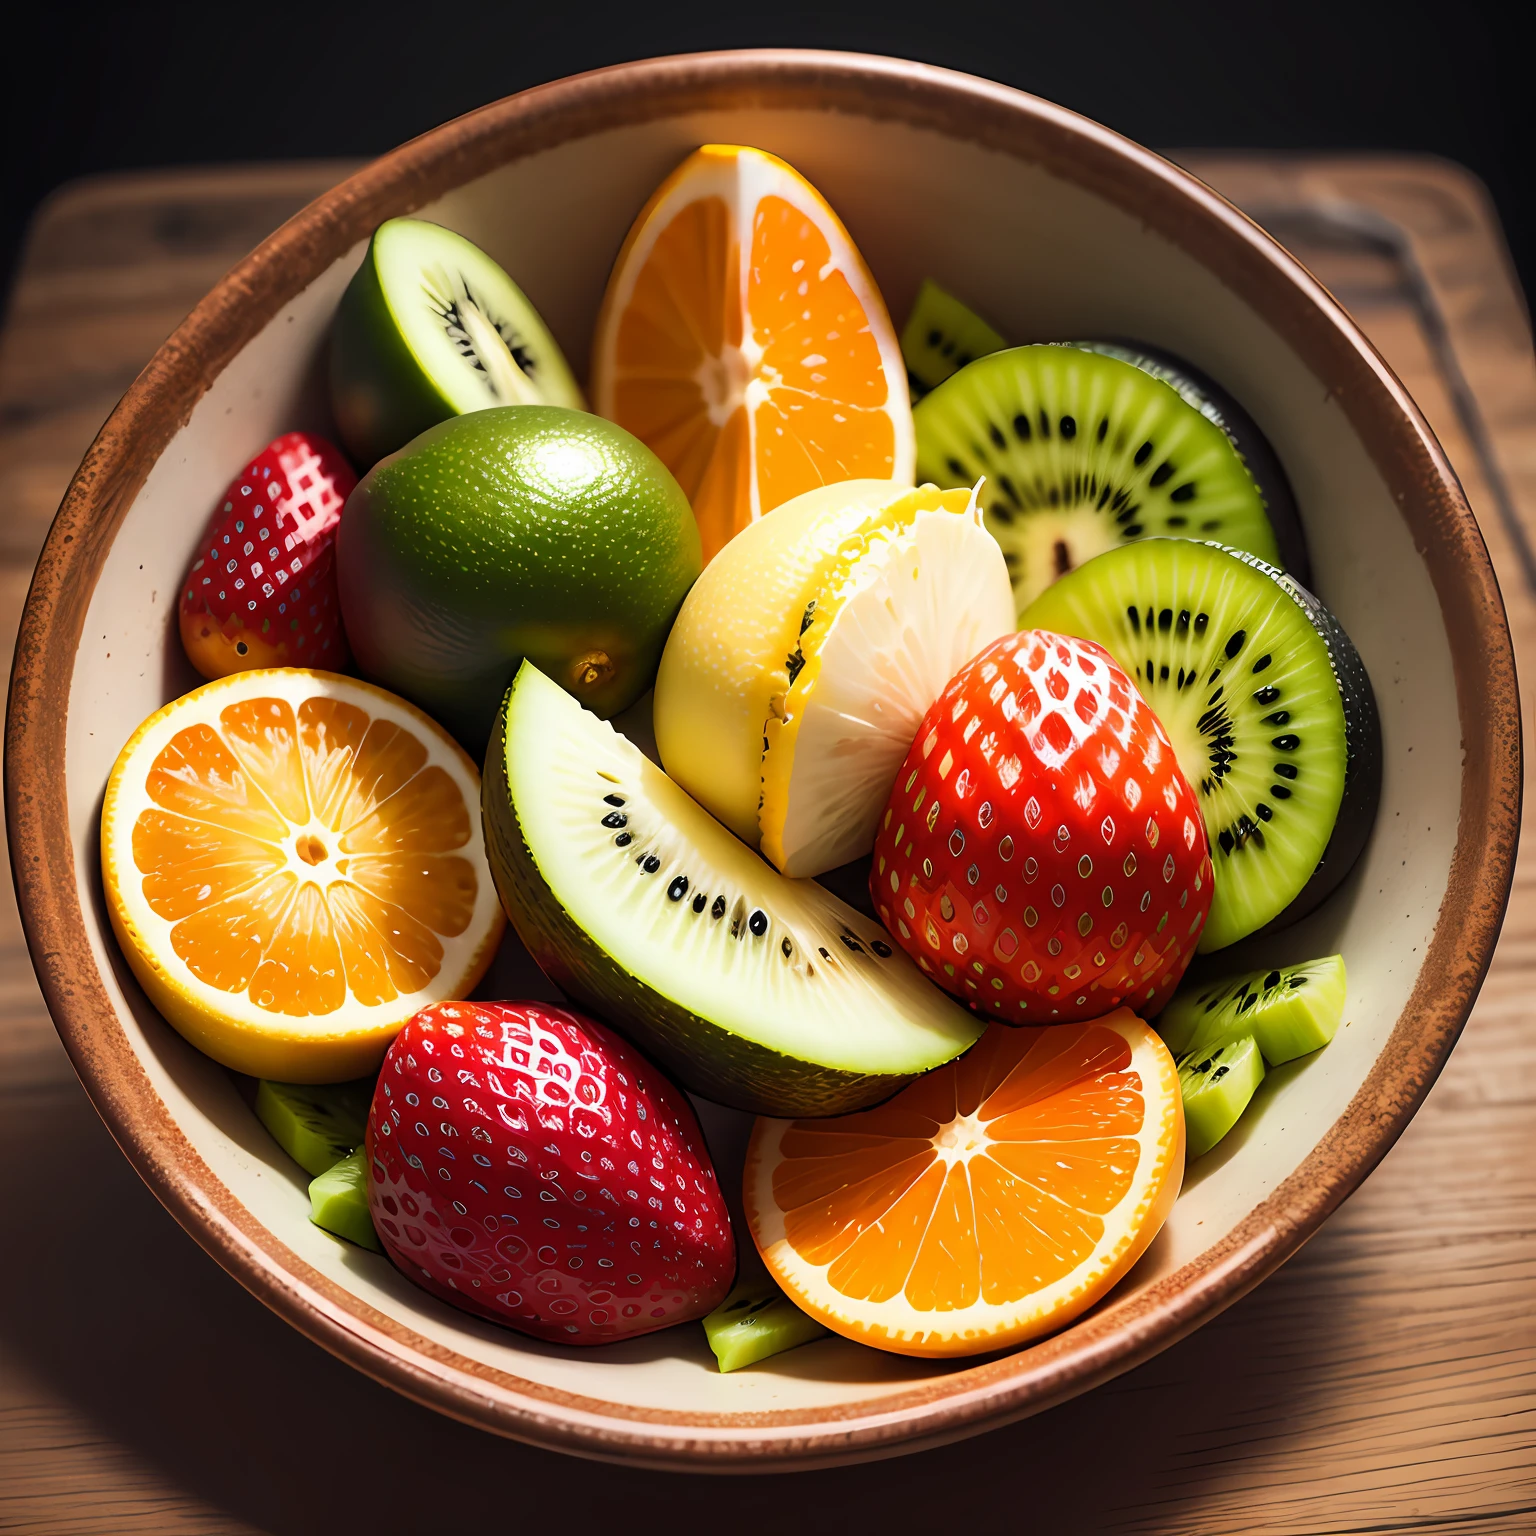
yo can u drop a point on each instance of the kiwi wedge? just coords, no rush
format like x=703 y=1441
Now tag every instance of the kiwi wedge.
x=755 y=1321
x=1267 y=704
x=430 y=328
x=940 y=337
x=315 y=1124
x=1217 y=1085
x=338 y=1201
x=1081 y=453
x=753 y=989
x=1290 y=1010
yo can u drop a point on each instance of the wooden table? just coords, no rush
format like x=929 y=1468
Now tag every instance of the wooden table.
x=1384 y=1381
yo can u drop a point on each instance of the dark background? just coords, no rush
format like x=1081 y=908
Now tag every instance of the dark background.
x=93 y=87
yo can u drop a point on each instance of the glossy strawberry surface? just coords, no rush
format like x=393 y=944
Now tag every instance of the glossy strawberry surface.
x=526 y=1164
x=262 y=590
x=1042 y=856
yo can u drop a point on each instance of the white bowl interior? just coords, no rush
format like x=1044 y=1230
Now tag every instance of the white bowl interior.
x=1045 y=260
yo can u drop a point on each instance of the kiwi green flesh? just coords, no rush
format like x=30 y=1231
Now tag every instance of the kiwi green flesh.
x=315 y=1124
x=1217 y=1085
x=941 y=336
x=1079 y=454
x=1244 y=681
x=755 y=1321
x=759 y=992
x=1219 y=406
x=431 y=327
x=338 y=1201
x=1289 y=1010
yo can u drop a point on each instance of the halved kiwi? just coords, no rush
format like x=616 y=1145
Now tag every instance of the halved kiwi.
x=1081 y=453
x=1290 y=1010
x=940 y=337
x=430 y=328
x=338 y=1201
x=1217 y=1085
x=755 y=990
x=1267 y=704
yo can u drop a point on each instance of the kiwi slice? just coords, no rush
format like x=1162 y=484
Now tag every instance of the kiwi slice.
x=1267 y=704
x=940 y=337
x=1253 y=448
x=1081 y=453
x=315 y=1124
x=1216 y=1084
x=755 y=1321
x=1290 y=1010
x=338 y=1201
x=430 y=328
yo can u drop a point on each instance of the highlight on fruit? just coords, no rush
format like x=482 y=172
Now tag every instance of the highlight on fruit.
x=874 y=733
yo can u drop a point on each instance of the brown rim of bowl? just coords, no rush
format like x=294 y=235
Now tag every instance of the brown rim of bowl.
x=1119 y=1334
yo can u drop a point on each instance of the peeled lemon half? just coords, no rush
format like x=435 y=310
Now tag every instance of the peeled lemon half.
x=807 y=653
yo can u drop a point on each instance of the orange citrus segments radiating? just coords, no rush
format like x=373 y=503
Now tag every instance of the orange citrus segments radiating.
x=992 y=1201
x=293 y=866
x=743 y=340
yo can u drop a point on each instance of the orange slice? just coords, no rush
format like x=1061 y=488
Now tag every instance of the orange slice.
x=993 y=1200
x=743 y=339
x=294 y=866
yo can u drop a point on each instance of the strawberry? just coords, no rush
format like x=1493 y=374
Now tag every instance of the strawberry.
x=263 y=591
x=1042 y=856
x=526 y=1164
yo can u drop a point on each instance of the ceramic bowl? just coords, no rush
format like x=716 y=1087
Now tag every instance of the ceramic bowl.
x=1056 y=228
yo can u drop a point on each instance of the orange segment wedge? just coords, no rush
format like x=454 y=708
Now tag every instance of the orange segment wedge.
x=743 y=340
x=294 y=866
x=992 y=1201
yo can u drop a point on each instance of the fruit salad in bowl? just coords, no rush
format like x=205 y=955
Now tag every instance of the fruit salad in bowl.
x=768 y=829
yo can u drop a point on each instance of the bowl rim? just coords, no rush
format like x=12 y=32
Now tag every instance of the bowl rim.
x=1108 y=1340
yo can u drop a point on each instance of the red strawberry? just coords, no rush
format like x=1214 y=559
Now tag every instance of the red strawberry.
x=263 y=591
x=1042 y=856
x=526 y=1164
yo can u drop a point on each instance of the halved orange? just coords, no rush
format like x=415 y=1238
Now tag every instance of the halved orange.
x=294 y=866
x=992 y=1201
x=743 y=340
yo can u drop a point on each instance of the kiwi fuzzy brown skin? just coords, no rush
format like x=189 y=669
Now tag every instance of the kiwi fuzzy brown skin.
x=709 y=1060
x=1253 y=447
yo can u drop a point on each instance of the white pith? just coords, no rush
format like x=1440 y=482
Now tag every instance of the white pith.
x=897 y=1323
x=822 y=1002
x=151 y=934
x=919 y=606
x=735 y=376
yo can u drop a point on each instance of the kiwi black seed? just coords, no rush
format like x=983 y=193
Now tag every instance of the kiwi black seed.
x=941 y=336
x=1266 y=702
x=1080 y=453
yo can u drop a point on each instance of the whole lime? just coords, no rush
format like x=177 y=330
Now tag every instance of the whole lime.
x=524 y=531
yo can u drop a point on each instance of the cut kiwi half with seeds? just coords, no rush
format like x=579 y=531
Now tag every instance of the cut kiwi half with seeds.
x=315 y=1124
x=431 y=328
x=1217 y=1084
x=755 y=1321
x=1081 y=453
x=1291 y=1010
x=758 y=991
x=1267 y=704
x=338 y=1201
x=941 y=337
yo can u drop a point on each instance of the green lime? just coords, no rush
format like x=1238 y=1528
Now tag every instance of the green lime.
x=521 y=532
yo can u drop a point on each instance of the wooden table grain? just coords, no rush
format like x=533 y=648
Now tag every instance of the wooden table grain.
x=1383 y=1381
